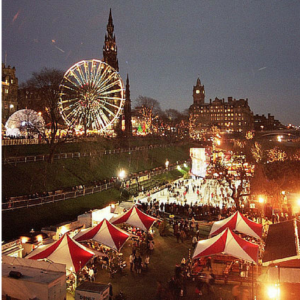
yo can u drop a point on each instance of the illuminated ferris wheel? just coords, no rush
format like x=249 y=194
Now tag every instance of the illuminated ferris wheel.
x=91 y=95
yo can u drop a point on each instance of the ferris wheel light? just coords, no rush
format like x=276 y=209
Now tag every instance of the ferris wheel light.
x=91 y=94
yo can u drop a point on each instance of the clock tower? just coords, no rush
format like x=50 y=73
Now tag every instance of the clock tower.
x=198 y=93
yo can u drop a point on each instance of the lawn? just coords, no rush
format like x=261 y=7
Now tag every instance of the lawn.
x=21 y=221
x=28 y=178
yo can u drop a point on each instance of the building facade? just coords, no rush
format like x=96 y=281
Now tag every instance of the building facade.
x=9 y=92
x=261 y=123
x=229 y=116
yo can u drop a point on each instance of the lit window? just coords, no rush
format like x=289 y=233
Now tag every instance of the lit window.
x=6 y=91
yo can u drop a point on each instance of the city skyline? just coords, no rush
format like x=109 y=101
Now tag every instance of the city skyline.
x=244 y=49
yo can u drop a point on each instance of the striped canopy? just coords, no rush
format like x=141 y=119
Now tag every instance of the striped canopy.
x=64 y=251
x=239 y=223
x=229 y=243
x=106 y=234
x=136 y=218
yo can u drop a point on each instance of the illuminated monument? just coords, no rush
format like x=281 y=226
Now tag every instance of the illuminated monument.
x=200 y=160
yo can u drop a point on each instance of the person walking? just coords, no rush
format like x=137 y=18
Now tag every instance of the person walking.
x=182 y=235
x=131 y=261
x=151 y=246
x=139 y=265
x=208 y=263
x=194 y=241
x=147 y=261
x=236 y=292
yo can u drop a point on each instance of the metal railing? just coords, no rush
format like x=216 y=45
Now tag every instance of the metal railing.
x=15 y=142
x=25 y=203
x=44 y=157
x=17 y=202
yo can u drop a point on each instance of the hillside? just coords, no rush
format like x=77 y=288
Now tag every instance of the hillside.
x=36 y=177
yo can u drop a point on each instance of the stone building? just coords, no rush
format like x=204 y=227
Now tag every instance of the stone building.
x=9 y=92
x=229 y=116
x=261 y=122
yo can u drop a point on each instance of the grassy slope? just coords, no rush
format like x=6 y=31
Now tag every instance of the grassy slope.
x=20 y=221
x=28 y=178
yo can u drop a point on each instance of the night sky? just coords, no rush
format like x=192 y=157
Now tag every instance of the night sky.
x=244 y=49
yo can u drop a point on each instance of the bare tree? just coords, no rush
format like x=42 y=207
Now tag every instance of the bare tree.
x=238 y=191
x=173 y=114
x=43 y=89
x=149 y=103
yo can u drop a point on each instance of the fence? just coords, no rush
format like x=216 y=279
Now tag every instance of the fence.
x=14 y=142
x=25 y=159
x=25 y=203
x=17 y=202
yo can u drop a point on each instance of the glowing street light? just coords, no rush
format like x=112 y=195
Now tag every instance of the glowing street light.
x=261 y=200
x=274 y=291
x=122 y=174
x=167 y=164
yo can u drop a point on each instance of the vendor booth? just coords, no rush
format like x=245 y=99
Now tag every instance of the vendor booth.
x=239 y=223
x=27 y=279
x=229 y=243
x=136 y=218
x=106 y=234
x=65 y=251
x=91 y=290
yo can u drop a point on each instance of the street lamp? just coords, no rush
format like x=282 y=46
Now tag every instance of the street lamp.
x=122 y=174
x=273 y=291
x=167 y=164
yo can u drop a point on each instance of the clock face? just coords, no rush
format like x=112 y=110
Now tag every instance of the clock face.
x=197 y=92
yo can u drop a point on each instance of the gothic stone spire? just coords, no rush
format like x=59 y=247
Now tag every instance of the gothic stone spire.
x=110 y=47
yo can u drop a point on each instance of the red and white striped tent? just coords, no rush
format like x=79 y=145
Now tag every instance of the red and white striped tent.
x=136 y=218
x=239 y=223
x=106 y=234
x=229 y=243
x=64 y=251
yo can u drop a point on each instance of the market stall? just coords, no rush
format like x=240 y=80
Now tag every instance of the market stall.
x=240 y=223
x=136 y=218
x=104 y=233
x=229 y=243
x=66 y=251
